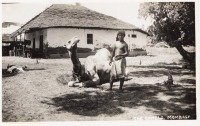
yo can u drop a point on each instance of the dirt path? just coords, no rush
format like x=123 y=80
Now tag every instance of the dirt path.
x=37 y=96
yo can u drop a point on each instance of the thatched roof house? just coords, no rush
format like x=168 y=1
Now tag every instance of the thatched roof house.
x=63 y=15
x=59 y=22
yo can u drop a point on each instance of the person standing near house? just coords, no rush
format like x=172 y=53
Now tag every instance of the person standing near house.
x=118 y=60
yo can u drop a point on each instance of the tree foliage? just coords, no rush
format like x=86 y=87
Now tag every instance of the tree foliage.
x=171 y=21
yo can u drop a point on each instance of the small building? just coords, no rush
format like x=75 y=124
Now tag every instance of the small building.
x=7 y=44
x=10 y=47
x=49 y=30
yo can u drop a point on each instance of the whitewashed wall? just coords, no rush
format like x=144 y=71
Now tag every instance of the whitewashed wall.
x=140 y=41
x=20 y=37
x=57 y=37
x=36 y=35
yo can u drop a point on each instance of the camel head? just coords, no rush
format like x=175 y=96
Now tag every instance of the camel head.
x=72 y=44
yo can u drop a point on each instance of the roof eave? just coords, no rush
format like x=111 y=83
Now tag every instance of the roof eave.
x=78 y=27
x=140 y=30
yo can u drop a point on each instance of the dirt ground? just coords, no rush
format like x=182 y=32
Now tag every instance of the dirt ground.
x=37 y=95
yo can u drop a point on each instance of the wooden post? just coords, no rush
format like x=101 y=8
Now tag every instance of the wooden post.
x=20 y=37
x=14 y=49
x=10 y=52
x=23 y=51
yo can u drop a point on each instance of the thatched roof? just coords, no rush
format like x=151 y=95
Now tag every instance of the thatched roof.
x=63 y=15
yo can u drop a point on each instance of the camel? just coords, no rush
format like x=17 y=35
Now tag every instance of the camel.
x=96 y=69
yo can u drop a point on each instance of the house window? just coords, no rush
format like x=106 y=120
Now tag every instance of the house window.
x=133 y=36
x=128 y=35
x=33 y=43
x=89 y=38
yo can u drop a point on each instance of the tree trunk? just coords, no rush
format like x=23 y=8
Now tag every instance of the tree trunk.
x=190 y=57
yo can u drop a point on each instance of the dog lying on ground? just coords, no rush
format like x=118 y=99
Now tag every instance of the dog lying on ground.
x=12 y=69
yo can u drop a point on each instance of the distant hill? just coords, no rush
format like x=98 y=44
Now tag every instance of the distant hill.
x=8 y=24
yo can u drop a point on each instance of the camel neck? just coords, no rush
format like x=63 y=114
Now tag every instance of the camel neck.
x=74 y=58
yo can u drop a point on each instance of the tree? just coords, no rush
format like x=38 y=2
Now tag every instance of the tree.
x=173 y=22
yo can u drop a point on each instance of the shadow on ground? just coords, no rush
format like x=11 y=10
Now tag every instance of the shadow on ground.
x=188 y=81
x=160 y=69
x=160 y=72
x=158 y=99
x=64 y=78
x=6 y=74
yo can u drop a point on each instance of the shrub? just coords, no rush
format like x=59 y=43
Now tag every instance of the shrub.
x=83 y=50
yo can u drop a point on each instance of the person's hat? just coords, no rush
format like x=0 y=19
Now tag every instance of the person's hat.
x=122 y=32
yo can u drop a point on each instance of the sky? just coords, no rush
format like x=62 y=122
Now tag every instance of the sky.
x=24 y=11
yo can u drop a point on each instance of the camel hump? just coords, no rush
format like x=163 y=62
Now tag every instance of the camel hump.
x=99 y=60
x=103 y=55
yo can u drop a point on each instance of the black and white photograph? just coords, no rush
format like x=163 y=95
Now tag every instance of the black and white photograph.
x=99 y=61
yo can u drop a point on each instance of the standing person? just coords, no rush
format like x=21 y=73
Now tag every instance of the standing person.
x=118 y=60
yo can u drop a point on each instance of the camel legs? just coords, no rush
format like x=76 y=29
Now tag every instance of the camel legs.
x=75 y=84
x=71 y=83
x=93 y=82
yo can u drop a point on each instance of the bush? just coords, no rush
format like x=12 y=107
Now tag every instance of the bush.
x=55 y=50
x=137 y=52
x=83 y=50
x=138 y=49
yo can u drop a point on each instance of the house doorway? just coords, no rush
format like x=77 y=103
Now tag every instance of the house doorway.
x=34 y=43
x=41 y=43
